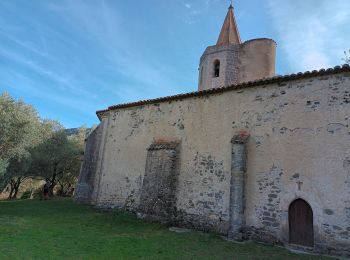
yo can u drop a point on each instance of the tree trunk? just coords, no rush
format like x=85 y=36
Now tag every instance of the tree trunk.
x=51 y=187
x=61 y=189
x=53 y=180
x=11 y=192
x=17 y=185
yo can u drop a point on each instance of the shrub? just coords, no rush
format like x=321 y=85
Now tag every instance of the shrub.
x=26 y=195
x=38 y=193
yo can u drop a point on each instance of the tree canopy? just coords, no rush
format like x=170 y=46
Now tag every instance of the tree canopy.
x=19 y=124
x=31 y=147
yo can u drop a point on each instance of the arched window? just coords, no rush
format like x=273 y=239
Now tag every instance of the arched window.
x=216 y=68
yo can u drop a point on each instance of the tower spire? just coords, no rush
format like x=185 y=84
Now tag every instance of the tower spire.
x=229 y=33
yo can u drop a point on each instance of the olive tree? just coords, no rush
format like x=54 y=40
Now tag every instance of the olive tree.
x=32 y=148
x=19 y=126
x=57 y=160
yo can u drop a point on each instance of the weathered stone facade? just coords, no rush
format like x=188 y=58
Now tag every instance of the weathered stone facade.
x=230 y=61
x=237 y=186
x=298 y=148
x=86 y=181
x=233 y=159
x=158 y=192
x=249 y=61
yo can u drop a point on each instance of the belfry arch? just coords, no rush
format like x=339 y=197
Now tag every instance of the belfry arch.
x=216 y=72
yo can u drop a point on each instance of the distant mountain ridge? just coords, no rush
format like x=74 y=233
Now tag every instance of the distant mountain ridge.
x=75 y=131
x=71 y=131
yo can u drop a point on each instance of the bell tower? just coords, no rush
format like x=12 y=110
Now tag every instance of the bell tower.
x=232 y=62
x=229 y=32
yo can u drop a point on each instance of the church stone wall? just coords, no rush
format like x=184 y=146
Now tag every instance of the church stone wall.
x=257 y=60
x=87 y=177
x=249 y=61
x=228 y=55
x=298 y=148
x=158 y=193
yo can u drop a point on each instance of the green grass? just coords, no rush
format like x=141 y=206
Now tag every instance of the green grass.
x=59 y=229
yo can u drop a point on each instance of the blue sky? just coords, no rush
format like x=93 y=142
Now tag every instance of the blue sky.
x=70 y=58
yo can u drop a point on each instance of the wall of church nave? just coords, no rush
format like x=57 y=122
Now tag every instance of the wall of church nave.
x=88 y=179
x=268 y=214
x=298 y=147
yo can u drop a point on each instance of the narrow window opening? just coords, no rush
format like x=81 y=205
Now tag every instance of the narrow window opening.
x=216 y=68
x=201 y=76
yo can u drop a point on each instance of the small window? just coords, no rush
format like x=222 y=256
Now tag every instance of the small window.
x=216 y=68
x=201 y=76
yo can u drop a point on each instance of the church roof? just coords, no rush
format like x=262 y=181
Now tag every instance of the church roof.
x=229 y=33
x=260 y=82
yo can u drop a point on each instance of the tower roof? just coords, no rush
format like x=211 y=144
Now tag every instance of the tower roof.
x=229 y=33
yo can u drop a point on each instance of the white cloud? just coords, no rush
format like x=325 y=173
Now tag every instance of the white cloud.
x=29 y=46
x=102 y=28
x=312 y=34
x=21 y=82
x=64 y=82
x=103 y=25
x=199 y=7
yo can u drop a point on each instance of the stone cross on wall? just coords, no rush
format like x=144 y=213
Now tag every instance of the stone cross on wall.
x=300 y=183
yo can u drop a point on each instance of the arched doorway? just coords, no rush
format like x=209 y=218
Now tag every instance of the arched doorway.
x=301 y=231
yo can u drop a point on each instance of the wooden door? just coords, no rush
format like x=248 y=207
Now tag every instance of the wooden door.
x=301 y=231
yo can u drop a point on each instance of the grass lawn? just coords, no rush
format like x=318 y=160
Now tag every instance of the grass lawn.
x=59 y=229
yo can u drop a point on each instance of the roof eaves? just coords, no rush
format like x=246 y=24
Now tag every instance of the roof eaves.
x=264 y=81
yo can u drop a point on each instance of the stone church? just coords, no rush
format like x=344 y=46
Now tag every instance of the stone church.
x=250 y=155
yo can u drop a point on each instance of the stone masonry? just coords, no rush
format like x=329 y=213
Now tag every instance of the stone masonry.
x=252 y=60
x=187 y=160
x=298 y=148
x=237 y=186
x=86 y=181
x=158 y=198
